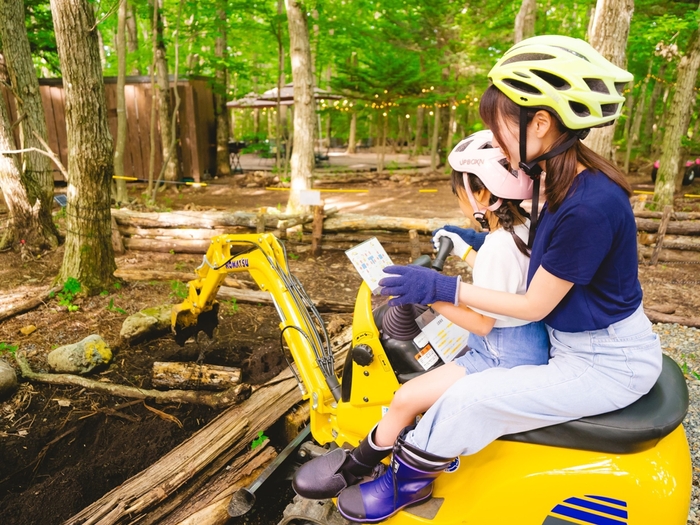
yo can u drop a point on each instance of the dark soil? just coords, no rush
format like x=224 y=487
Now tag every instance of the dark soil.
x=62 y=448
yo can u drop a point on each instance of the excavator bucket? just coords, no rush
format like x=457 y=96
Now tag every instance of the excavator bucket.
x=187 y=324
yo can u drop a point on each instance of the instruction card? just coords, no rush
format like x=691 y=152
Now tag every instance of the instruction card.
x=445 y=337
x=369 y=258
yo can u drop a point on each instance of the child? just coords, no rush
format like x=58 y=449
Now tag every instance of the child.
x=491 y=194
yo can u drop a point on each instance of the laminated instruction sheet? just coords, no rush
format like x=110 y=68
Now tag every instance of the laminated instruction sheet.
x=369 y=259
x=440 y=335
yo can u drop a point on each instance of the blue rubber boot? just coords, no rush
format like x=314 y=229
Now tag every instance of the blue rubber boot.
x=325 y=476
x=409 y=480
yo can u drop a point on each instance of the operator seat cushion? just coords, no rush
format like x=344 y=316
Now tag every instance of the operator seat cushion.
x=632 y=429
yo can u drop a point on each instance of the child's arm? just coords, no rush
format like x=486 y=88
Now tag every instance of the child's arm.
x=466 y=318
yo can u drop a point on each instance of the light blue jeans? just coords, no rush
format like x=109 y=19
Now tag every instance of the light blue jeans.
x=588 y=373
x=507 y=347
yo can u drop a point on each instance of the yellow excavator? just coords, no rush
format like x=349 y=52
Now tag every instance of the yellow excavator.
x=628 y=467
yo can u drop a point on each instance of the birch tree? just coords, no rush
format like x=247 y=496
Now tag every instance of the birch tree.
x=525 y=20
x=88 y=255
x=121 y=195
x=608 y=35
x=35 y=224
x=302 y=161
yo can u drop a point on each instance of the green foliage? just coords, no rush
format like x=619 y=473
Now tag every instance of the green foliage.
x=258 y=440
x=112 y=308
x=8 y=348
x=67 y=294
x=179 y=289
x=232 y=305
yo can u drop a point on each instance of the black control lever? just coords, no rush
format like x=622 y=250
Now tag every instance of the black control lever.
x=444 y=250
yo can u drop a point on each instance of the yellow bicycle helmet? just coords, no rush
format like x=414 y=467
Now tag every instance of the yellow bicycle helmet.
x=565 y=75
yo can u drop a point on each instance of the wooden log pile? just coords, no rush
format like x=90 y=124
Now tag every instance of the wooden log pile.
x=191 y=231
x=668 y=235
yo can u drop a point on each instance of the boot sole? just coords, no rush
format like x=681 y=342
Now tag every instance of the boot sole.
x=378 y=520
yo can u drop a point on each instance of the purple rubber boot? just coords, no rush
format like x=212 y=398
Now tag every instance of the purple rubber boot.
x=325 y=476
x=409 y=480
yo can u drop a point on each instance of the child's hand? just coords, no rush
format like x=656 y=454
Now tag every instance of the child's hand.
x=469 y=235
x=418 y=285
x=459 y=247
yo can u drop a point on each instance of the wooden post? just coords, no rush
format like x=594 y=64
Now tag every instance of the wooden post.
x=414 y=243
x=260 y=226
x=317 y=230
x=117 y=243
x=668 y=210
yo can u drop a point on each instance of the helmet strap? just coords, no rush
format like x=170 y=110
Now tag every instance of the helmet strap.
x=478 y=210
x=533 y=168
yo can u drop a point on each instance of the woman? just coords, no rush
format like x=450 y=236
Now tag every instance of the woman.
x=547 y=92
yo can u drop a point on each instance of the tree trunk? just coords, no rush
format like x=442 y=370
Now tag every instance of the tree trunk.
x=434 y=160
x=638 y=112
x=611 y=27
x=35 y=168
x=222 y=130
x=651 y=111
x=164 y=102
x=280 y=83
x=302 y=161
x=132 y=34
x=418 y=141
x=121 y=106
x=88 y=255
x=525 y=21
x=678 y=119
x=352 y=140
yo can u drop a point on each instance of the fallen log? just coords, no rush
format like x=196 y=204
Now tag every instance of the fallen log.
x=195 y=376
x=353 y=222
x=224 y=437
x=670 y=255
x=662 y=308
x=223 y=399
x=258 y=297
x=674 y=227
x=678 y=215
x=197 y=219
x=155 y=275
x=205 y=500
x=29 y=304
x=178 y=233
x=658 y=317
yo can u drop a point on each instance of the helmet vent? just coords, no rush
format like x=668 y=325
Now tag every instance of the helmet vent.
x=527 y=57
x=620 y=86
x=597 y=85
x=573 y=53
x=609 y=109
x=580 y=109
x=552 y=79
x=521 y=86
x=464 y=145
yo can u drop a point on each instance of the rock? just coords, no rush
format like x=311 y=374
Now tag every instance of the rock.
x=27 y=330
x=8 y=379
x=81 y=357
x=146 y=324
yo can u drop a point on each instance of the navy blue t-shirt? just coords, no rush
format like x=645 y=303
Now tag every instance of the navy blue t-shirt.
x=591 y=241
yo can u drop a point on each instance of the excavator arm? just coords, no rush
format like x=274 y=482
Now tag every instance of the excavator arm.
x=302 y=329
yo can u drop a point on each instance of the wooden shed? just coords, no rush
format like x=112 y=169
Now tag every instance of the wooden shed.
x=196 y=129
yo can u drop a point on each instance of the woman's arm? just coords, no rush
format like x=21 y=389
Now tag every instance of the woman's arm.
x=466 y=318
x=544 y=293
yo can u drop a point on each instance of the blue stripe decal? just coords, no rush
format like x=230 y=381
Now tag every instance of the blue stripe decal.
x=613 y=511
x=585 y=516
x=608 y=500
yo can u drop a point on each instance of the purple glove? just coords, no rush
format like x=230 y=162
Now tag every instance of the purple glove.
x=468 y=235
x=418 y=285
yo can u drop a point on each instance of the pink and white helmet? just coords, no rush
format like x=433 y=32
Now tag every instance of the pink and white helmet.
x=476 y=155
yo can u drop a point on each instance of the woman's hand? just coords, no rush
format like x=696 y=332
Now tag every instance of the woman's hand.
x=418 y=285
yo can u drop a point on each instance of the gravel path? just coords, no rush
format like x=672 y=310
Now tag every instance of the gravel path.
x=683 y=345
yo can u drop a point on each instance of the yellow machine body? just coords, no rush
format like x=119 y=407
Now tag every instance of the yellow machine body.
x=508 y=482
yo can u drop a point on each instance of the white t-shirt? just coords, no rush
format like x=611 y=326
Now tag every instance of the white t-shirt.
x=501 y=266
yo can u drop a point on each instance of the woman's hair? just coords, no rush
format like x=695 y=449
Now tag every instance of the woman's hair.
x=561 y=169
x=509 y=213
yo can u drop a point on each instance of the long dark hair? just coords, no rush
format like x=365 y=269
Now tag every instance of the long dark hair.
x=561 y=169
x=509 y=213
